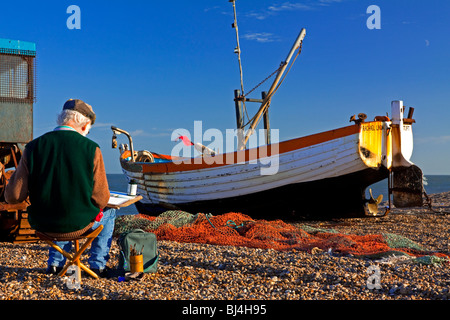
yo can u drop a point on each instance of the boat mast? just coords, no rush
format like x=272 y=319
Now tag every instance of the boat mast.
x=237 y=50
x=239 y=103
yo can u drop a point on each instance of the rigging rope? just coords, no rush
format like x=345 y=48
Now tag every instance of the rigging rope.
x=268 y=97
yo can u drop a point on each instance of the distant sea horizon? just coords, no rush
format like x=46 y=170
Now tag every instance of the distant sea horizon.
x=432 y=184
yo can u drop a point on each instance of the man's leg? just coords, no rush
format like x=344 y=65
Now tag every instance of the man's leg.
x=56 y=260
x=99 y=252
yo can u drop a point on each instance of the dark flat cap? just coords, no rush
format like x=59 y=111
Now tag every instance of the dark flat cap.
x=80 y=106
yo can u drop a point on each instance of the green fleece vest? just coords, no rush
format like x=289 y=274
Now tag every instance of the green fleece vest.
x=61 y=180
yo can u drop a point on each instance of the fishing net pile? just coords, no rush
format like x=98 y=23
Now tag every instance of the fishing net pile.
x=236 y=229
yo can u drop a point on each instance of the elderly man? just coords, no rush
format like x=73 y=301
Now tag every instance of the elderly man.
x=64 y=175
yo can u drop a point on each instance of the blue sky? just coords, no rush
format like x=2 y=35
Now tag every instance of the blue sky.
x=150 y=67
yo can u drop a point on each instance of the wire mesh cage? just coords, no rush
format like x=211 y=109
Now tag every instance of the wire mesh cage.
x=17 y=71
x=17 y=90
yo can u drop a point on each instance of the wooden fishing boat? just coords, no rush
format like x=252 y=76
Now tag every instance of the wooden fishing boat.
x=321 y=174
x=318 y=175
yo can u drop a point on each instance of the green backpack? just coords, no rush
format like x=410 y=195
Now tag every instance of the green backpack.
x=141 y=241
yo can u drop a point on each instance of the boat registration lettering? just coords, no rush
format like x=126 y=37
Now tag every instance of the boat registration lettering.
x=372 y=127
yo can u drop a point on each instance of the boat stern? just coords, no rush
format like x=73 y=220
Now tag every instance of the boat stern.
x=406 y=185
x=387 y=143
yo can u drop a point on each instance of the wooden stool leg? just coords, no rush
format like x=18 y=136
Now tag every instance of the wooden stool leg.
x=75 y=259
x=78 y=263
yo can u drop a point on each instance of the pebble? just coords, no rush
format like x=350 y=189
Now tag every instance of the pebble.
x=207 y=272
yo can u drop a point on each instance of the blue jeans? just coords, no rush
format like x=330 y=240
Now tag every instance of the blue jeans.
x=99 y=251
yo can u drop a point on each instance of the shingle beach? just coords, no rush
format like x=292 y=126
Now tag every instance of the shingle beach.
x=189 y=271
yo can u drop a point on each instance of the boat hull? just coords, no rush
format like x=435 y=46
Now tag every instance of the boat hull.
x=342 y=196
x=324 y=174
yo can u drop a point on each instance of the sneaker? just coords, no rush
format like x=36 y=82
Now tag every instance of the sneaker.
x=102 y=273
x=53 y=270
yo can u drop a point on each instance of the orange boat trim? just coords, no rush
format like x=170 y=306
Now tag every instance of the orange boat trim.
x=249 y=154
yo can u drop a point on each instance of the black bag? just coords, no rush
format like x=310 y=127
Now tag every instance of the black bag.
x=141 y=241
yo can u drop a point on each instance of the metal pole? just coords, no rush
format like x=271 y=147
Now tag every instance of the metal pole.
x=266 y=102
x=266 y=120
x=118 y=131
x=239 y=118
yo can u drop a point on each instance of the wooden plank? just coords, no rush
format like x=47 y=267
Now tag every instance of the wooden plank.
x=24 y=224
x=25 y=239
x=25 y=231
x=125 y=204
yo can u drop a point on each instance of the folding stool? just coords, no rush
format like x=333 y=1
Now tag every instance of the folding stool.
x=72 y=259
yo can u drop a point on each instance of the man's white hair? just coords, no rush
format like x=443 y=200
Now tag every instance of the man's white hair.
x=66 y=115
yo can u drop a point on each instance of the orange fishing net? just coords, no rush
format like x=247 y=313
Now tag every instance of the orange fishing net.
x=237 y=229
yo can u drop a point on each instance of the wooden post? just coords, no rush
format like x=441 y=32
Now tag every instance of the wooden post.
x=239 y=118
x=266 y=119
